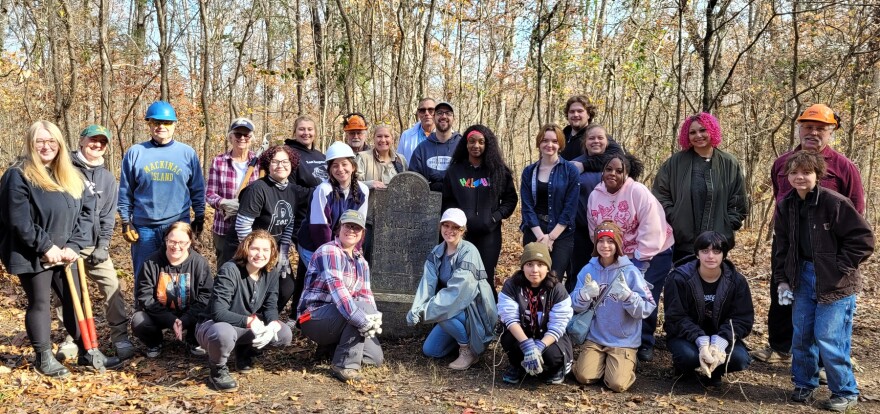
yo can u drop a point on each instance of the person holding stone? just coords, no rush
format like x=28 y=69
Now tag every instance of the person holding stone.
x=175 y=287
x=378 y=166
x=337 y=309
x=455 y=294
x=535 y=310
x=242 y=313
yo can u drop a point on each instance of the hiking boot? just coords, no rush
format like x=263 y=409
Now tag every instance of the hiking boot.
x=840 y=404
x=465 y=359
x=124 y=349
x=46 y=364
x=802 y=395
x=67 y=350
x=345 y=374
x=221 y=380
x=557 y=378
x=153 y=351
x=513 y=374
x=95 y=359
x=244 y=359
x=770 y=355
x=645 y=353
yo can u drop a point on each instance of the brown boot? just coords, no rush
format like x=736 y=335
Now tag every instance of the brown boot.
x=465 y=359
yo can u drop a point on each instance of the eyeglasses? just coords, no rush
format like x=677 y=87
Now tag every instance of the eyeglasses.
x=423 y=111
x=51 y=143
x=810 y=128
x=173 y=243
x=280 y=163
x=353 y=228
x=242 y=134
x=154 y=123
x=443 y=113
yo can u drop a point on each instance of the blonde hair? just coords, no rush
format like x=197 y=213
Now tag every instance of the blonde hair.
x=305 y=118
x=60 y=174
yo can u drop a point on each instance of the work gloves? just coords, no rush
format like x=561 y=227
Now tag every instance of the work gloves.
x=786 y=297
x=198 y=224
x=712 y=353
x=589 y=291
x=129 y=233
x=99 y=255
x=229 y=207
x=284 y=261
x=619 y=290
x=373 y=326
x=532 y=362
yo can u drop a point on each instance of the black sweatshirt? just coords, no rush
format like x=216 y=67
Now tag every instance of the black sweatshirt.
x=236 y=296
x=167 y=292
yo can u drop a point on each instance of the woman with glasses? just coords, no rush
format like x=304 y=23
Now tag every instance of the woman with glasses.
x=377 y=166
x=228 y=171
x=175 y=286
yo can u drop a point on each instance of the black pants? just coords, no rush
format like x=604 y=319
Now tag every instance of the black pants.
x=489 y=246
x=290 y=289
x=38 y=315
x=779 y=324
x=149 y=330
x=561 y=255
x=553 y=356
x=580 y=255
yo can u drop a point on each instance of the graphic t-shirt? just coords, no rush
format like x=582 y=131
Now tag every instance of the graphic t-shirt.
x=272 y=208
x=174 y=290
x=709 y=290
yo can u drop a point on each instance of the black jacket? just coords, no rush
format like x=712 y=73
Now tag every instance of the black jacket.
x=167 y=292
x=101 y=198
x=33 y=220
x=734 y=313
x=574 y=143
x=236 y=297
x=841 y=240
x=485 y=204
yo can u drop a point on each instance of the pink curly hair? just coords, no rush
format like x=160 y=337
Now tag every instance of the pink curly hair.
x=708 y=121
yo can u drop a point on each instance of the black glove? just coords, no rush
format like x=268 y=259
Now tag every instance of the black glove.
x=99 y=255
x=198 y=224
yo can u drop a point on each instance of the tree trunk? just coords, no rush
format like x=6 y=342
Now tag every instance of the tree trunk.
x=164 y=48
x=426 y=40
x=206 y=79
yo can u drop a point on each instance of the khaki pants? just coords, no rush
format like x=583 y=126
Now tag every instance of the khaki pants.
x=105 y=276
x=617 y=366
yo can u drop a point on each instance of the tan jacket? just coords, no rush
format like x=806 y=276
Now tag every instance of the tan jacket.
x=369 y=169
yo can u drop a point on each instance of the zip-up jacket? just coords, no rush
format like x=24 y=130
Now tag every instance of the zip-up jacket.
x=101 y=188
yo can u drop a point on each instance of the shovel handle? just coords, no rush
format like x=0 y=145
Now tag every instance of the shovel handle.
x=77 y=307
x=87 y=302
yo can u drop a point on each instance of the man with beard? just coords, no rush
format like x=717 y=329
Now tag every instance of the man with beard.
x=411 y=138
x=580 y=113
x=355 y=127
x=431 y=158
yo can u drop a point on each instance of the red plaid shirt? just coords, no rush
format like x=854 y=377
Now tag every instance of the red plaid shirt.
x=221 y=185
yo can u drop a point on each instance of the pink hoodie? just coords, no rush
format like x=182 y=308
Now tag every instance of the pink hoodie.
x=637 y=212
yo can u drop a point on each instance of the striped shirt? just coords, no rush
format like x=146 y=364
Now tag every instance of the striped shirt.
x=222 y=185
x=334 y=277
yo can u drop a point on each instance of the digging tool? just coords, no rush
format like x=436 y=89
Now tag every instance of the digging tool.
x=77 y=307
x=253 y=164
x=87 y=303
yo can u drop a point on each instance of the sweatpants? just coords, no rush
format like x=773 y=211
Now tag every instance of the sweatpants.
x=219 y=339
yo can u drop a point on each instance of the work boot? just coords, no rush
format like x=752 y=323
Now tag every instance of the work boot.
x=67 y=350
x=770 y=355
x=345 y=374
x=124 y=349
x=221 y=380
x=95 y=359
x=46 y=364
x=465 y=359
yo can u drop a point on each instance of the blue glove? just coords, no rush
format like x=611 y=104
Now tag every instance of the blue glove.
x=284 y=261
x=540 y=344
x=532 y=360
x=641 y=265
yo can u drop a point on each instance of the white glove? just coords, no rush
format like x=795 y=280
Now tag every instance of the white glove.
x=786 y=297
x=263 y=339
x=256 y=325
x=229 y=206
x=374 y=325
x=707 y=360
x=619 y=290
x=589 y=291
x=718 y=347
x=412 y=318
x=274 y=327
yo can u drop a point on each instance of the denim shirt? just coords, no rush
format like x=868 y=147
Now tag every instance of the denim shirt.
x=564 y=188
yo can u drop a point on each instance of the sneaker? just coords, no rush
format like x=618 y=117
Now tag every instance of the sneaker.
x=513 y=374
x=557 y=378
x=645 y=354
x=153 y=351
x=840 y=404
x=124 y=349
x=345 y=374
x=465 y=359
x=195 y=349
x=802 y=395
x=823 y=377
x=67 y=350
x=221 y=380
x=770 y=355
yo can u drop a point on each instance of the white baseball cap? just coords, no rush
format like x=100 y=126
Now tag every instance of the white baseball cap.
x=454 y=215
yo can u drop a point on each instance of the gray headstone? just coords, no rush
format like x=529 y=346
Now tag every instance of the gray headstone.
x=404 y=220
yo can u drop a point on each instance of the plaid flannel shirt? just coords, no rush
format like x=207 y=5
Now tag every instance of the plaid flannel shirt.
x=335 y=278
x=221 y=185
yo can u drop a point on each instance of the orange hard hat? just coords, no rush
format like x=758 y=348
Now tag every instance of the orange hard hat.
x=355 y=122
x=819 y=113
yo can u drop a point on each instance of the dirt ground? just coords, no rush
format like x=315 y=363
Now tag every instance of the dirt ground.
x=288 y=380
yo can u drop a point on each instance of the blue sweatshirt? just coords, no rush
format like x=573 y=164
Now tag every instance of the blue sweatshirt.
x=616 y=324
x=432 y=157
x=159 y=184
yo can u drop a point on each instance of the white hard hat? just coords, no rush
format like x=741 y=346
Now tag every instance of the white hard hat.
x=339 y=149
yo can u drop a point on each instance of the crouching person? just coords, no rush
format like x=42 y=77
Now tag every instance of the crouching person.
x=535 y=309
x=337 y=309
x=708 y=312
x=624 y=299
x=243 y=310
x=174 y=290
x=455 y=294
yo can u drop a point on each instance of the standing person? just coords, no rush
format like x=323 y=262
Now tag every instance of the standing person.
x=597 y=146
x=454 y=293
x=242 y=314
x=549 y=189
x=161 y=180
x=337 y=310
x=701 y=187
x=535 y=310
x=343 y=191
x=174 y=292
x=479 y=182
x=378 y=166
x=609 y=353
x=312 y=168
x=269 y=204
x=647 y=237
x=708 y=311
x=355 y=127
x=228 y=171
x=44 y=230
x=418 y=133
x=580 y=113
x=431 y=158
x=816 y=127
x=821 y=239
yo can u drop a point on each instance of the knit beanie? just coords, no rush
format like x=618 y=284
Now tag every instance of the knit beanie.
x=609 y=229
x=535 y=251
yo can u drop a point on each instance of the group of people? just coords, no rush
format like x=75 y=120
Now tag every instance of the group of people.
x=598 y=246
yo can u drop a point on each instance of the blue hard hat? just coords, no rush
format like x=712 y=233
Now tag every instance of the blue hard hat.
x=161 y=111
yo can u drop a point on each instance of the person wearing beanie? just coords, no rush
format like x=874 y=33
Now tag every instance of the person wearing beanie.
x=454 y=293
x=535 y=310
x=609 y=353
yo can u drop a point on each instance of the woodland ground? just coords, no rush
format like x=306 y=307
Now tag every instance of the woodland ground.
x=288 y=380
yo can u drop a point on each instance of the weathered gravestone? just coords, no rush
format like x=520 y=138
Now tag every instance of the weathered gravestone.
x=404 y=219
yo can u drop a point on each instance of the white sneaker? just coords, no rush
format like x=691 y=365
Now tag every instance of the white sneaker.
x=67 y=350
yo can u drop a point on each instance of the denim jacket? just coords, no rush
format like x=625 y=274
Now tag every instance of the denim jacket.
x=564 y=188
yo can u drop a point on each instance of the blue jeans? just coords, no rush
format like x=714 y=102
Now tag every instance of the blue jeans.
x=446 y=336
x=686 y=357
x=660 y=266
x=151 y=239
x=821 y=329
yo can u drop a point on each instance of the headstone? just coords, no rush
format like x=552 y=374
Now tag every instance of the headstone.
x=404 y=220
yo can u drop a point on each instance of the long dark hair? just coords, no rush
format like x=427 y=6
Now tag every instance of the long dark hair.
x=492 y=158
x=354 y=189
x=631 y=165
